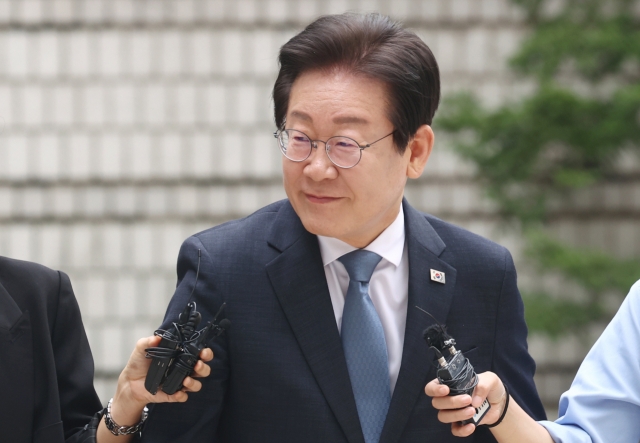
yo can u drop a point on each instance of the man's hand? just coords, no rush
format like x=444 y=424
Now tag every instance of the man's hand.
x=461 y=407
x=131 y=395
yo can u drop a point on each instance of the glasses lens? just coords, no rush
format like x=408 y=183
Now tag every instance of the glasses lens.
x=294 y=145
x=343 y=151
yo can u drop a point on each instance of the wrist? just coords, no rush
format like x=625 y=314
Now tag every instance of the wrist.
x=117 y=428
x=504 y=401
x=124 y=412
x=125 y=406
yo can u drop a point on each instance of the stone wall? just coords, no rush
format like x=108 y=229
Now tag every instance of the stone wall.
x=128 y=125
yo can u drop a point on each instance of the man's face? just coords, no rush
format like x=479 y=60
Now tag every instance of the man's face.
x=354 y=205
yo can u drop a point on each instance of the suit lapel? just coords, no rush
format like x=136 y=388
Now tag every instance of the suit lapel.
x=9 y=310
x=299 y=281
x=424 y=247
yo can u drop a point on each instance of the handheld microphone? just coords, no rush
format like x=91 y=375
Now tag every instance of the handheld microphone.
x=185 y=361
x=454 y=369
x=179 y=349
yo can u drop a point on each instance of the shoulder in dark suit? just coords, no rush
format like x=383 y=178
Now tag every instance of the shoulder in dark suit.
x=46 y=368
x=279 y=374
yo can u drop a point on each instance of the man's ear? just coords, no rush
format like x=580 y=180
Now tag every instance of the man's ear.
x=419 y=150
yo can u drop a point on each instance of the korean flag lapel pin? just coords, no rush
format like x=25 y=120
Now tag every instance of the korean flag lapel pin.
x=437 y=276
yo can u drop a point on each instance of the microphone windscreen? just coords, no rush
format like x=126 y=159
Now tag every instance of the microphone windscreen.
x=224 y=324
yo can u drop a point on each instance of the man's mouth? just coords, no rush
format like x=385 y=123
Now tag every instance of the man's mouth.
x=314 y=198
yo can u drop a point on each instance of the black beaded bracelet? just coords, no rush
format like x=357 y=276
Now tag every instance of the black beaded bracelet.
x=504 y=411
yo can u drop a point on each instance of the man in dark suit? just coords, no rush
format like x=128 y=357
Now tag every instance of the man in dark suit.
x=292 y=274
x=46 y=368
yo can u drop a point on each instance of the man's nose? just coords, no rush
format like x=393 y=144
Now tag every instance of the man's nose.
x=319 y=167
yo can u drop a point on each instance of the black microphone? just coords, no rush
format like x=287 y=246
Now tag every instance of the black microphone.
x=185 y=362
x=179 y=350
x=454 y=369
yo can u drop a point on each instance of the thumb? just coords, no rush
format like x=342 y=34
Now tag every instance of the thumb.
x=489 y=385
x=138 y=361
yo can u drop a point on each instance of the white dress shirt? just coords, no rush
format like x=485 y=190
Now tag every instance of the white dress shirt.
x=603 y=403
x=388 y=288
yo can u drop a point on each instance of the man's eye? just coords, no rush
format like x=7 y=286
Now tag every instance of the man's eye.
x=300 y=139
x=345 y=144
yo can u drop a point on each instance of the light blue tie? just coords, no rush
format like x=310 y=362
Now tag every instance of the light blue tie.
x=364 y=345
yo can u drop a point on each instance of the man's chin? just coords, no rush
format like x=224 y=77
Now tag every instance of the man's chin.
x=318 y=226
x=319 y=229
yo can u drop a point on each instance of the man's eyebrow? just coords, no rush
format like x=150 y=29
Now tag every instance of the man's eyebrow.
x=302 y=116
x=350 y=119
x=340 y=120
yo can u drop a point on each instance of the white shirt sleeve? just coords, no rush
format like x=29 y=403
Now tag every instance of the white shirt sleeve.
x=603 y=403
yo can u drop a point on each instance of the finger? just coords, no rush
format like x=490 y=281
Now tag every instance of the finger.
x=435 y=389
x=488 y=383
x=206 y=354
x=480 y=393
x=462 y=430
x=138 y=364
x=201 y=369
x=455 y=402
x=178 y=397
x=191 y=385
x=147 y=342
x=163 y=397
x=456 y=415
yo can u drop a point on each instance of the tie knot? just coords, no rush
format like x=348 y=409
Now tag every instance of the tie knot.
x=360 y=264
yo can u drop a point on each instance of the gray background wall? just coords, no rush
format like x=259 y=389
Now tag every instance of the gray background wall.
x=128 y=125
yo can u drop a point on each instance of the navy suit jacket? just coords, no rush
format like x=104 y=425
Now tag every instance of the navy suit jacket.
x=279 y=373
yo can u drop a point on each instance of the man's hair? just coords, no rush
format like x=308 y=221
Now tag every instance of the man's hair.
x=373 y=46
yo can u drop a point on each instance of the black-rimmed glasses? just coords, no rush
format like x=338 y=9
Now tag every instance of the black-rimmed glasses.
x=343 y=152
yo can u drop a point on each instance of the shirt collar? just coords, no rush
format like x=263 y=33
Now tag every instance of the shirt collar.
x=389 y=244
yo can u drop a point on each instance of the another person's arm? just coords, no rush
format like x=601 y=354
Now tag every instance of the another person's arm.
x=603 y=401
x=131 y=396
x=515 y=427
x=74 y=368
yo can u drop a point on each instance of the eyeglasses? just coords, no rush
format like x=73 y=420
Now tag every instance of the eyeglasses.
x=344 y=152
